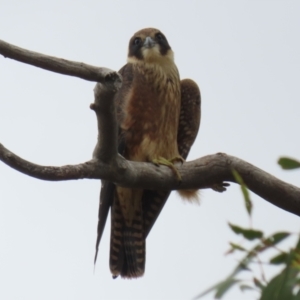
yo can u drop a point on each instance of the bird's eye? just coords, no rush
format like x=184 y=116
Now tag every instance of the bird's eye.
x=159 y=36
x=136 y=41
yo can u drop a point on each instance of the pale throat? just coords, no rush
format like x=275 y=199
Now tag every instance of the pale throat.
x=153 y=56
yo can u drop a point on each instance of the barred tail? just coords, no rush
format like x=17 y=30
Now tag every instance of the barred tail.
x=134 y=246
x=127 y=249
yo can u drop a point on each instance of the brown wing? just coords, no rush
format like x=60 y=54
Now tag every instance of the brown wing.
x=190 y=116
x=108 y=188
x=189 y=122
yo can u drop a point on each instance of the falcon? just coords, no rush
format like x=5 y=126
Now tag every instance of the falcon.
x=158 y=117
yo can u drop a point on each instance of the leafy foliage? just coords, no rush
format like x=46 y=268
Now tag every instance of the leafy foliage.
x=286 y=284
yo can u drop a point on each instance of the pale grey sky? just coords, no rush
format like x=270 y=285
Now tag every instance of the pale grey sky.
x=245 y=57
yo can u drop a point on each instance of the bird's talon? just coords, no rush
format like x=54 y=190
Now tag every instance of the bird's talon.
x=169 y=163
x=220 y=187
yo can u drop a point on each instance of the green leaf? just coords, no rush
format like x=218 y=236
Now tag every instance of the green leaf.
x=249 y=234
x=245 y=287
x=237 y=247
x=221 y=288
x=276 y=290
x=258 y=283
x=240 y=181
x=279 y=259
x=271 y=241
x=296 y=256
x=298 y=244
x=276 y=238
x=287 y=163
x=283 y=285
x=225 y=286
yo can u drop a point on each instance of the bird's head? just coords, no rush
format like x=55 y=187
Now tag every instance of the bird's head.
x=151 y=46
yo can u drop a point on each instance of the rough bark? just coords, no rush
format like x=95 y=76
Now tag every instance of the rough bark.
x=107 y=164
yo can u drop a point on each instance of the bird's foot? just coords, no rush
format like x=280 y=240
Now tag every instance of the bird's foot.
x=220 y=187
x=170 y=163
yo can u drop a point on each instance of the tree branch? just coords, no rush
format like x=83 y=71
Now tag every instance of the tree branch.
x=200 y=173
x=59 y=65
x=106 y=148
x=107 y=164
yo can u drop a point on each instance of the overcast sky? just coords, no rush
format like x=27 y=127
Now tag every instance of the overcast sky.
x=245 y=56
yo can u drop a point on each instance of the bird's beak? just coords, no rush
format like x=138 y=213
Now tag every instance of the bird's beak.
x=149 y=42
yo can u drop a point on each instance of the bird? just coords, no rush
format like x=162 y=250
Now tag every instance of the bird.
x=158 y=119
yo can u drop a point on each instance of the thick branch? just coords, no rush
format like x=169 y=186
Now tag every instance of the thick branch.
x=106 y=148
x=199 y=173
x=58 y=65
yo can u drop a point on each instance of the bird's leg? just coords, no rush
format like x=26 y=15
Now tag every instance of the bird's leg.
x=170 y=163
